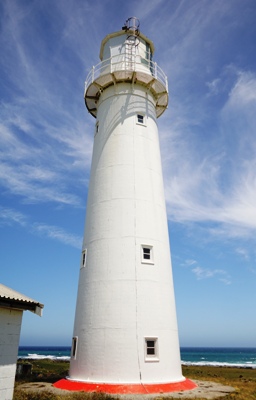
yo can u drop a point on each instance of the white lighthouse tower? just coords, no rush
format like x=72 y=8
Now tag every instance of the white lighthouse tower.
x=125 y=331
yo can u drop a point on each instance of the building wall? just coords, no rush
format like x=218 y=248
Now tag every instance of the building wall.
x=10 y=325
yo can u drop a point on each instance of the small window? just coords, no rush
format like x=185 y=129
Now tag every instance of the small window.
x=84 y=255
x=151 y=349
x=140 y=119
x=74 y=347
x=147 y=254
x=96 y=128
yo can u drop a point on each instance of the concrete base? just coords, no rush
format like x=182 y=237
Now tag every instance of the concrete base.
x=66 y=384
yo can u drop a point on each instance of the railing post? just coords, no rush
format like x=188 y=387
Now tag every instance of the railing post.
x=155 y=70
x=166 y=83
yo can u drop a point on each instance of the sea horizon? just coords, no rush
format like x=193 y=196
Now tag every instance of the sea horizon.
x=239 y=357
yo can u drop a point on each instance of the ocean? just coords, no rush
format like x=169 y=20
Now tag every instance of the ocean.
x=216 y=356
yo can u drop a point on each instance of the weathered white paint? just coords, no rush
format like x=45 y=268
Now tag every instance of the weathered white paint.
x=121 y=299
x=10 y=325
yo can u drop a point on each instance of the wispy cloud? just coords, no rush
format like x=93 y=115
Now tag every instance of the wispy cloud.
x=206 y=273
x=57 y=233
x=46 y=139
x=244 y=91
x=203 y=182
x=207 y=134
x=189 y=263
x=243 y=253
x=11 y=217
x=214 y=86
x=34 y=184
x=46 y=142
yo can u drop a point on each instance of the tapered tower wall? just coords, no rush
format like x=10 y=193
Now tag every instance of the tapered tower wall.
x=124 y=299
x=125 y=327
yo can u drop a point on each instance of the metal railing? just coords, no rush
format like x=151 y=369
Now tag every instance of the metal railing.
x=120 y=63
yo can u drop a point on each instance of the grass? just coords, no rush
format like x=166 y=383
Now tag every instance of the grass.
x=243 y=380
x=45 y=371
x=47 y=395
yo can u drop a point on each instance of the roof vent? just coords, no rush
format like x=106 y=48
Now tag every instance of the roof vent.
x=132 y=24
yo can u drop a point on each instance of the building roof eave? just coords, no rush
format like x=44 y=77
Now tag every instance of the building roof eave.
x=11 y=299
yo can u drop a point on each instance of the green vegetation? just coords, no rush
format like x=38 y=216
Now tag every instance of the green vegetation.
x=243 y=380
x=47 y=395
x=45 y=371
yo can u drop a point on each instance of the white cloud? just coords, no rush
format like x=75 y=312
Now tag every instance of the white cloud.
x=214 y=86
x=205 y=273
x=57 y=233
x=243 y=252
x=189 y=263
x=215 y=181
x=29 y=182
x=9 y=216
x=46 y=142
x=243 y=93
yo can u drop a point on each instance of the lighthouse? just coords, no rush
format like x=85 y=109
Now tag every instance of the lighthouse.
x=125 y=331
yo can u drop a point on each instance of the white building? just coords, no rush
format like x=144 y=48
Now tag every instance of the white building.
x=125 y=332
x=12 y=305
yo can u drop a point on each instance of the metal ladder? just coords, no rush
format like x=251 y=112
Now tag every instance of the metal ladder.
x=132 y=28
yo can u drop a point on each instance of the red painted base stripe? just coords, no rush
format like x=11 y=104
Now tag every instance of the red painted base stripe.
x=66 y=384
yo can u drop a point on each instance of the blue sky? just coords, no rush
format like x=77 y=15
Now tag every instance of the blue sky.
x=208 y=144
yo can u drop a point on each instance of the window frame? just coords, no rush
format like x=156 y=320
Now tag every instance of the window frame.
x=96 y=128
x=149 y=260
x=74 y=347
x=138 y=117
x=151 y=357
x=84 y=258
